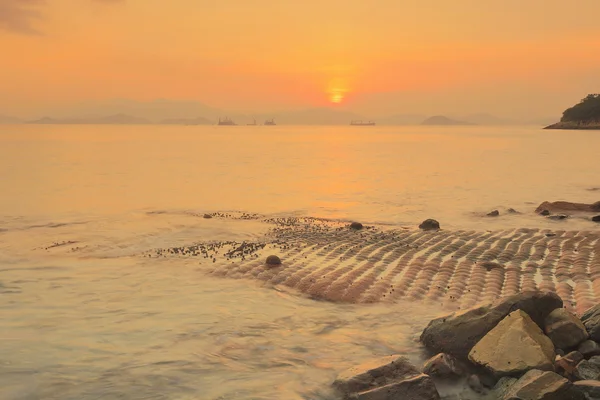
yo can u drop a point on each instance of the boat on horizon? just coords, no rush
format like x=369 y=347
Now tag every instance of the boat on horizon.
x=270 y=122
x=362 y=123
x=226 y=121
x=253 y=123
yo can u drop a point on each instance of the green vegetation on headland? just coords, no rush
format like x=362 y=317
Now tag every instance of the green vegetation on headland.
x=585 y=115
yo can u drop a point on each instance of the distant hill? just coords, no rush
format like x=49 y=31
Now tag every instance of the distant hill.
x=442 y=120
x=186 y=121
x=5 y=119
x=312 y=116
x=583 y=115
x=118 y=119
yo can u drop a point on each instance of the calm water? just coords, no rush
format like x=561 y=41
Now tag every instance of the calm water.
x=95 y=320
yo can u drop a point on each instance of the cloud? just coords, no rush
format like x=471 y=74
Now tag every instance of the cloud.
x=20 y=16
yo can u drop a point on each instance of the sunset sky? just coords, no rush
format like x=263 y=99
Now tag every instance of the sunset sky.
x=512 y=58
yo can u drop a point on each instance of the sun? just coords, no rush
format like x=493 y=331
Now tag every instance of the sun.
x=336 y=97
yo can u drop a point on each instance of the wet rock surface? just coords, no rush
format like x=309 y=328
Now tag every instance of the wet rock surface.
x=590 y=389
x=494 y=213
x=442 y=366
x=587 y=370
x=596 y=218
x=542 y=385
x=567 y=206
x=565 y=329
x=515 y=346
x=273 y=260
x=386 y=378
x=566 y=365
x=429 y=225
x=458 y=333
x=591 y=321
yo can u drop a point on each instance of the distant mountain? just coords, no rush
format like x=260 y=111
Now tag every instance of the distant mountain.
x=153 y=111
x=401 y=119
x=186 y=121
x=5 y=119
x=313 y=116
x=442 y=120
x=118 y=119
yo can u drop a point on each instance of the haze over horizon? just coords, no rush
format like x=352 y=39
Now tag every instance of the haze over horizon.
x=515 y=60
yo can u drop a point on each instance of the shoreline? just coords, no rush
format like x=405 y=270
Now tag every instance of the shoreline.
x=572 y=125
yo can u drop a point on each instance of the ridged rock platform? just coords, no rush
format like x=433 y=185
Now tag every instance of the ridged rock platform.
x=329 y=261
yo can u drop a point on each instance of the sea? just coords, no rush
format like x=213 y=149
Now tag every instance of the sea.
x=86 y=314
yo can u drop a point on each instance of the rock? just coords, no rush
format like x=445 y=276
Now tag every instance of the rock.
x=591 y=321
x=565 y=329
x=503 y=386
x=273 y=260
x=494 y=213
x=596 y=218
x=566 y=365
x=429 y=225
x=590 y=389
x=419 y=387
x=515 y=346
x=544 y=213
x=456 y=334
x=557 y=217
x=207 y=216
x=356 y=225
x=586 y=370
x=540 y=385
x=566 y=206
x=442 y=366
x=375 y=373
x=589 y=348
x=512 y=211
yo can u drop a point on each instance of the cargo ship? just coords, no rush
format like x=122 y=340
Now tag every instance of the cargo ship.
x=270 y=122
x=226 y=121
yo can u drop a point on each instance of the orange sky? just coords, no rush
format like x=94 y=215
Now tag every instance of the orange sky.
x=508 y=57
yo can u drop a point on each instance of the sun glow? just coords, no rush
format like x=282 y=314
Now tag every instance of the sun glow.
x=336 y=97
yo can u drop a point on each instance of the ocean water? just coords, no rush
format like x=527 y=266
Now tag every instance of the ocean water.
x=86 y=314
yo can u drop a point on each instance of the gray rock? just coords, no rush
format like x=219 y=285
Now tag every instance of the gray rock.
x=457 y=334
x=419 y=387
x=540 y=385
x=591 y=389
x=512 y=211
x=545 y=212
x=596 y=218
x=375 y=373
x=515 y=346
x=503 y=386
x=273 y=261
x=595 y=360
x=494 y=213
x=475 y=384
x=586 y=370
x=591 y=321
x=589 y=348
x=442 y=366
x=207 y=216
x=566 y=365
x=565 y=329
x=429 y=225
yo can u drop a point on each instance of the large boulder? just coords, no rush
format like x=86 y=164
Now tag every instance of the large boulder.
x=419 y=387
x=565 y=329
x=543 y=385
x=587 y=370
x=456 y=334
x=515 y=346
x=591 y=321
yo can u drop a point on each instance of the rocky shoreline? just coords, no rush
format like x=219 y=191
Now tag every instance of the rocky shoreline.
x=521 y=347
x=575 y=125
